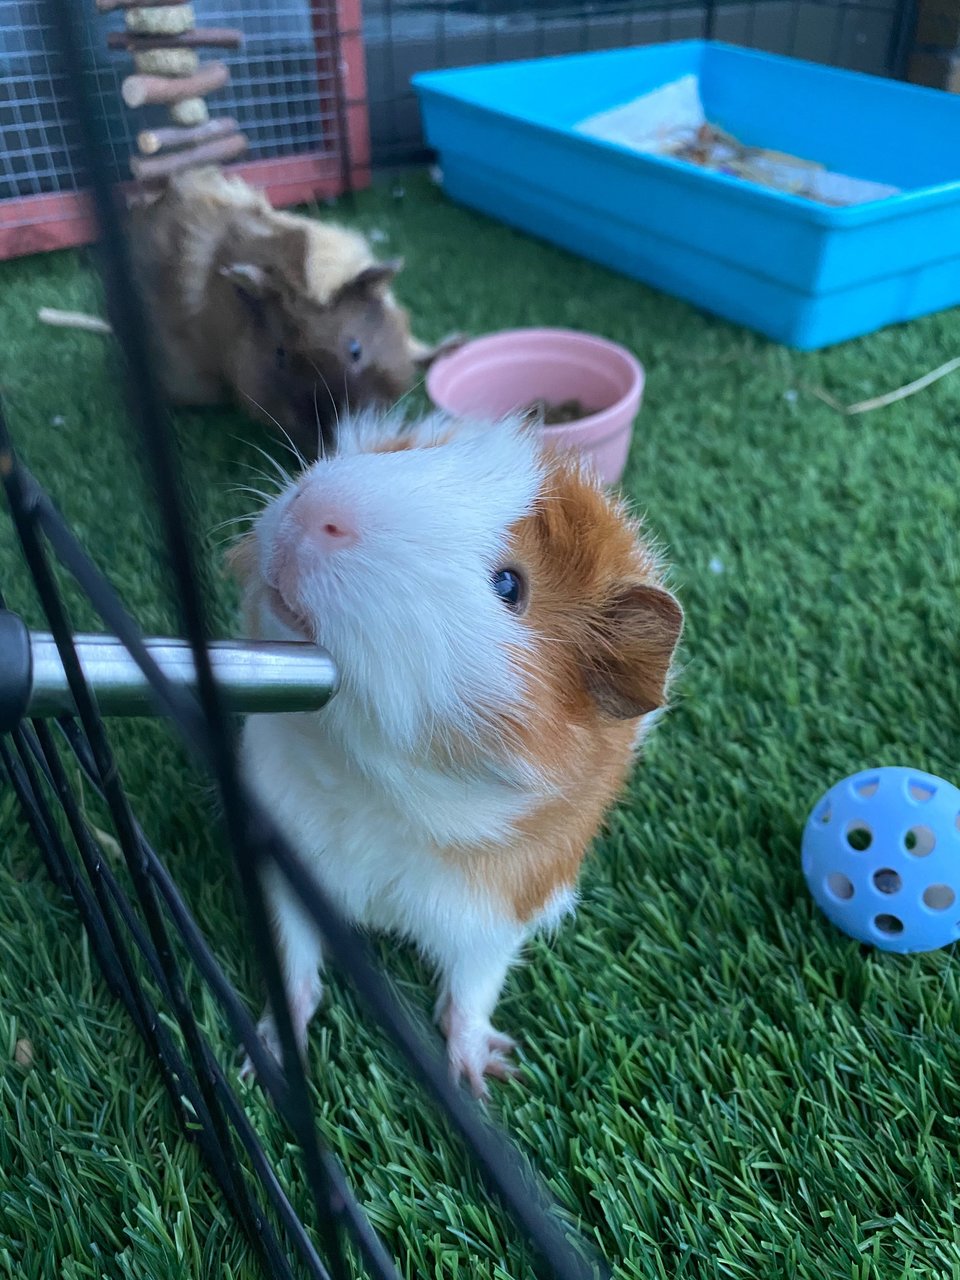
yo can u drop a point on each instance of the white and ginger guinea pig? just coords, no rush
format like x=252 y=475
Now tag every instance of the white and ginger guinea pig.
x=503 y=638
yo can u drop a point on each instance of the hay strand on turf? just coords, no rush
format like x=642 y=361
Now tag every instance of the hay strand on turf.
x=889 y=397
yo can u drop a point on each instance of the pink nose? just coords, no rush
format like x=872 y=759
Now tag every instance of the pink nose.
x=325 y=526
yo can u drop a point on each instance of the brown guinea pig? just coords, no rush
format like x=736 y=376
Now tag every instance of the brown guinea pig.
x=291 y=317
x=504 y=639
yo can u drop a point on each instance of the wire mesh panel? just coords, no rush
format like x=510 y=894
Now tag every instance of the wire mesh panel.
x=297 y=90
x=404 y=37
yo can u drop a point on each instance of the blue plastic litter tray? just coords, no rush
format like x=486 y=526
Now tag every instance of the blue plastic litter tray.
x=803 y=273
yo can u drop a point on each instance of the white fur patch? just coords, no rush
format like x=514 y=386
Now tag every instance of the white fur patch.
x=561 y=904
x=646 y=726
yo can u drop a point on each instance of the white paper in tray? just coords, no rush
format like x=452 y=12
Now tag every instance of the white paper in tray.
x=669 y=118
x=656 y=122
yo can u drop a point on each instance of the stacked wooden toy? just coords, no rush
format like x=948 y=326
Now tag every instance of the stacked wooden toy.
x=164 y=41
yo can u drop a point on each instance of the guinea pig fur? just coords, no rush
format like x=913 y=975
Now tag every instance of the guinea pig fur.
x=291 y=317
x=504 y=639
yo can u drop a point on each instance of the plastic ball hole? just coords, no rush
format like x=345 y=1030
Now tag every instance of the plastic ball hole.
x=859 y=836
x=887 y=924
x=840 y=886
x=939 y=897
x=827 y=811
x=921 y=792
x=867 y=789
x=920 y=842
x=887 y=880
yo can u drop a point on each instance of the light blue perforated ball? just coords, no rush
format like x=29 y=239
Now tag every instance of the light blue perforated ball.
x=881 y=854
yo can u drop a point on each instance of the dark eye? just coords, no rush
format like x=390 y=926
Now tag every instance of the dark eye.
x=509 y=586
x=281 y=357
x=354 y=350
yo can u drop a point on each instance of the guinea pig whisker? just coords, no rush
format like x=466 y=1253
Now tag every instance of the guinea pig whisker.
x=228 y=528
x=316 y=414
x=333 y=399
x=288 y=441
x=407 y=394
x=283 y=431
x=227 y=540
x=224 y=524
x=281 y=470
x=279 y=482
x=249 y=488
x=265 y=476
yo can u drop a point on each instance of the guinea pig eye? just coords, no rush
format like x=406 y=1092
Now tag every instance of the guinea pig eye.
x=509 y=586
x=354 y=350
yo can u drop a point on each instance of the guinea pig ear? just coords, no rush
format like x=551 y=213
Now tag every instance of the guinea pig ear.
x=250 y=279
x=280 y=269
x=641 y=631
x=373 y=279
x=289 y=253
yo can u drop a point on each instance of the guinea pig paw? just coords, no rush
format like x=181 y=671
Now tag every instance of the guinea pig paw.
x=452 y=342
x=500 y=1043
x=475 y=1052
x=267 y=1033
x=425 y=355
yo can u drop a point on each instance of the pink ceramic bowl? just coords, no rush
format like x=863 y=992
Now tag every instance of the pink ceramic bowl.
x=506 y=371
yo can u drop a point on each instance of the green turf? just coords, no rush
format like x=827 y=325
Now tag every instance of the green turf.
x=717 y=1083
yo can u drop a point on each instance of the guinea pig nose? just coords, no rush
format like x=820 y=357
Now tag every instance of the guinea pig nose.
x=323 y=522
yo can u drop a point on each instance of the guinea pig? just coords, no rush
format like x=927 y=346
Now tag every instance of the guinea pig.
x=292 y=317
x=504 y=640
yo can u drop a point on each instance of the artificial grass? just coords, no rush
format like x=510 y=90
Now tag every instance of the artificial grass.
x=716 y=1082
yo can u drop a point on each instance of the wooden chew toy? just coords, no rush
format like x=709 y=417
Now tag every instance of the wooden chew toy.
x=162 y=38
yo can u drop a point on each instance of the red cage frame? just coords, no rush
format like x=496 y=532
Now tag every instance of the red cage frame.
x=38 y=224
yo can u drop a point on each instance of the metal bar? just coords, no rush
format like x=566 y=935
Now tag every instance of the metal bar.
x=710 y=19
x=178 y=703
x=902 y=39
x=253 y=676
x=328 y=43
